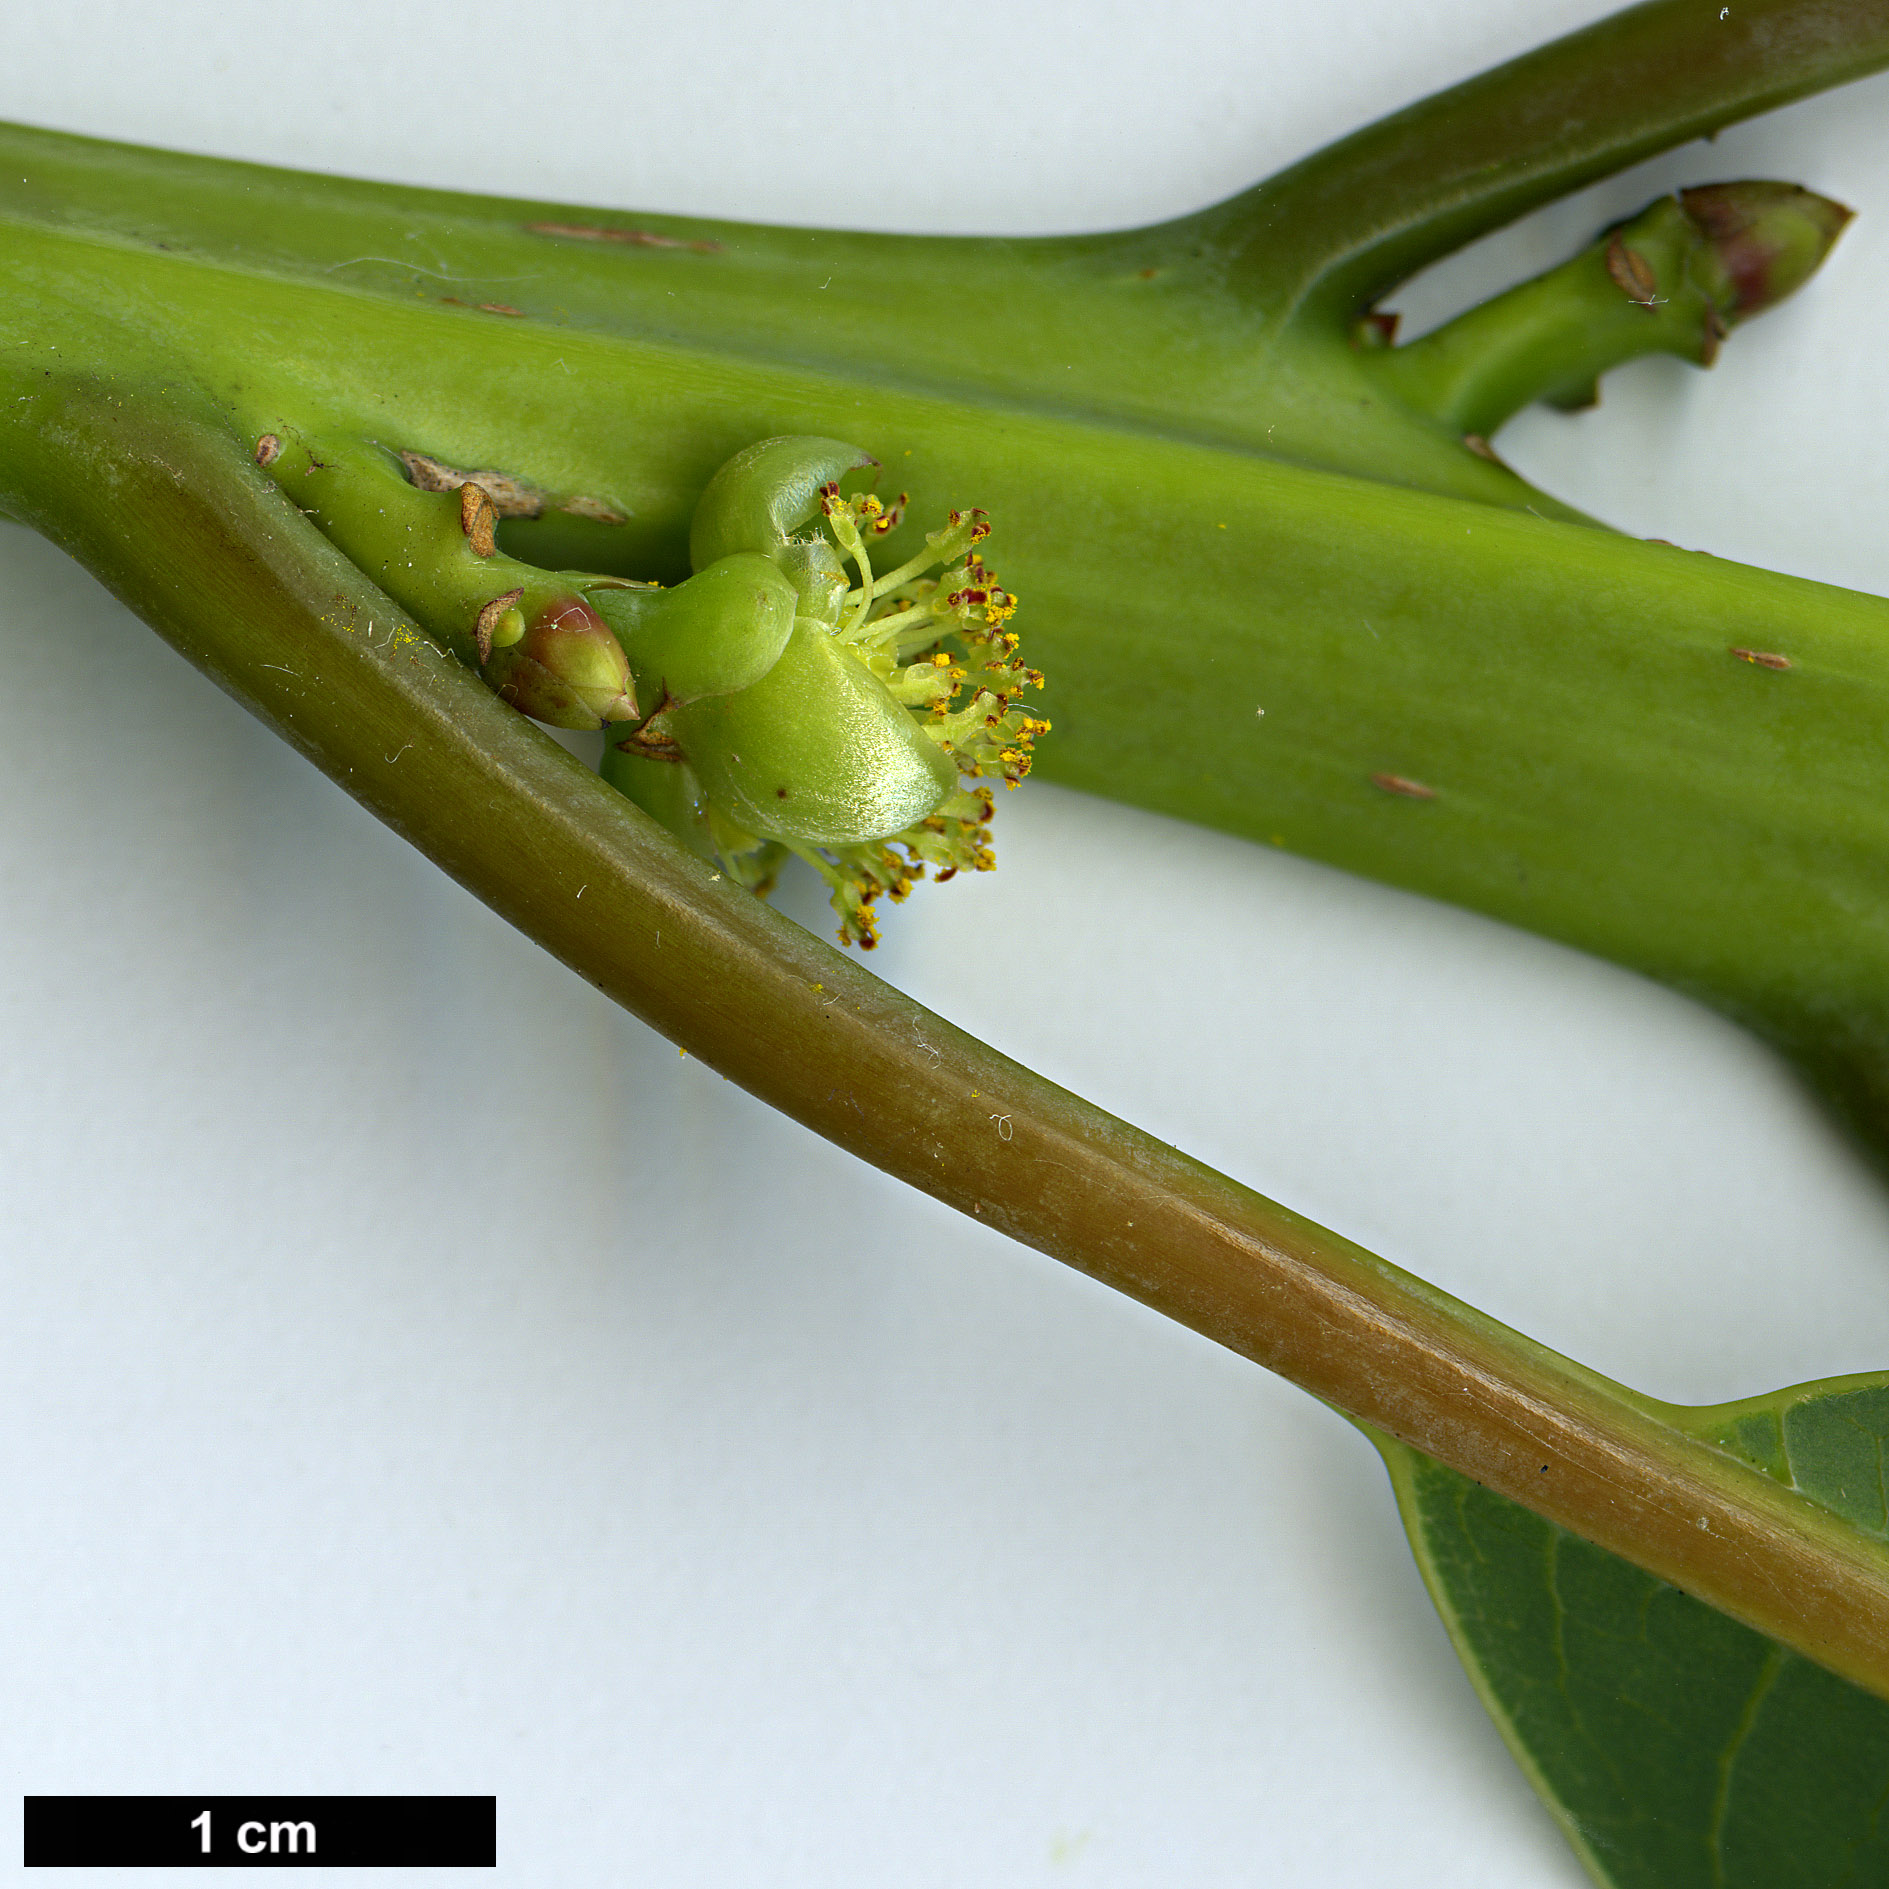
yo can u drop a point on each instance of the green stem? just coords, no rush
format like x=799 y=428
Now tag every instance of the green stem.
x=1228 y=327
x=170 y=512
x=412 y=543
x=1673 y=280
x=1329 y=237
x=1630 y=294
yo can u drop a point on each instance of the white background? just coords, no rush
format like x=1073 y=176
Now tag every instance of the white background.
x=417 y=1378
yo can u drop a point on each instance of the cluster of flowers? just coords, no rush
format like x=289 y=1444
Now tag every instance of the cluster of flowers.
x=775 y=703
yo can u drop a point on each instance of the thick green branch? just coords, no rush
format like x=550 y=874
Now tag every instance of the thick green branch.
x=1180 y=326
x=170 y=512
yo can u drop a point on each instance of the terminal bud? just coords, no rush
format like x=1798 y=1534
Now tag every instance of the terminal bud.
x=1767 y=238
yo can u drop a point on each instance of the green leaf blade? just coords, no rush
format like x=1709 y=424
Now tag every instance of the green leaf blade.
x=1676 y=1748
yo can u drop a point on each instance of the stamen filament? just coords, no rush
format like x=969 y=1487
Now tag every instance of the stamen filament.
x=858 y=550
x=911 y=568
x=896 y=625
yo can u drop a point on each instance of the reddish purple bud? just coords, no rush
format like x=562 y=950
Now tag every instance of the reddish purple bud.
x=567 y=669
x=1768 y=238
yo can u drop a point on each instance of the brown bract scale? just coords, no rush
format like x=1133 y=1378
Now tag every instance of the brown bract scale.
x=1375 y=328
x=488 y=621
x=511 y=496
x=1400 y=784
x=1632 y=273
x=598 y=511
x=653 y=744
x=477 y=519
x=1716 y=329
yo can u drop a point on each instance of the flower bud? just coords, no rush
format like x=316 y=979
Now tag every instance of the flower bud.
x=762 y=497
x=566 y=669
x=721 y=631
x=766 y=493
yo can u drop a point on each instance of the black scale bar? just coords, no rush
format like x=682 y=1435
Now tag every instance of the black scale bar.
x=262 y=1832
